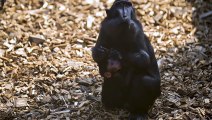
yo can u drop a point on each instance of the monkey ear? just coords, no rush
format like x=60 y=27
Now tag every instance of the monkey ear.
x=133 y=10
x=133 y=13
x=129 y=3
x=108 y=12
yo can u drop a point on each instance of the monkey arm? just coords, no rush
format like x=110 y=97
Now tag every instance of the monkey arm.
x=102 y=68
x=143 y=52
x=139 y=59
x=100 y=57
x=99 y=52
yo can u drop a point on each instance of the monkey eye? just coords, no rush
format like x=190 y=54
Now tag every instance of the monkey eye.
x=112 y=13
x=115 y=13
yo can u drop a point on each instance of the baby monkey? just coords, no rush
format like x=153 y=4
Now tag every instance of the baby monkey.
x=113 y=63
x=110 y=60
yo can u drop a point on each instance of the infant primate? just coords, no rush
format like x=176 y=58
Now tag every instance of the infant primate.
x=113 y=63
x=112 y=59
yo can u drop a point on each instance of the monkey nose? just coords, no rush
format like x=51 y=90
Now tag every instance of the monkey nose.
x=125 y=17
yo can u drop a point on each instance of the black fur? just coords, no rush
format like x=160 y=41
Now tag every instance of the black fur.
x=138 y=82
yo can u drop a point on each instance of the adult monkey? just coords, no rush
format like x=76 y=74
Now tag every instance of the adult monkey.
x=138 y=83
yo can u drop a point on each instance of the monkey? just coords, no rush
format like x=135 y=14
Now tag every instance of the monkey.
x=113 y=60
x=113 y=63
x=138 y=81
x=113 y=94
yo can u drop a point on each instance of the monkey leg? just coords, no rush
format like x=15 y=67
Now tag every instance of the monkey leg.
x=143 y=93
x=112 y=94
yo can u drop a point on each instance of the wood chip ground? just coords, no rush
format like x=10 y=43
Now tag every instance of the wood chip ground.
x=46 y=69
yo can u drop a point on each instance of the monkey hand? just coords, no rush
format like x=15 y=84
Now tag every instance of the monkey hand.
x=99 y=53
x=107 y=74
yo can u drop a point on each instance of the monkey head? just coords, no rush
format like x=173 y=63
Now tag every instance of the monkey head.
x=122 y=9
x=121 y=16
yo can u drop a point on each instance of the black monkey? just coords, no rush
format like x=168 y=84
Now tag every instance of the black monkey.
x=114 y=63
x=2 y=4
x=113 y=89
x=138 y=82
x=111 y=58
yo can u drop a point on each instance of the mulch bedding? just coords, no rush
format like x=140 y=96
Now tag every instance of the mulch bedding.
x=46 y=69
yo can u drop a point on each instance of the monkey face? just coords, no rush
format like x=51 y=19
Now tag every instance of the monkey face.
x=122 y=9
x=113 y=65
